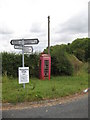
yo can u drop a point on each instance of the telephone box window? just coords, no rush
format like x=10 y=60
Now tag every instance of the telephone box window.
x=46 y=68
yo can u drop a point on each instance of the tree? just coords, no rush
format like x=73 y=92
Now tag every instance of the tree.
x=80 y=54
x=79 y=48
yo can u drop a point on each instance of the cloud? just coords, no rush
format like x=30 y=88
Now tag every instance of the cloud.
x=75 y=25
x=38 y=28
x=4 y=29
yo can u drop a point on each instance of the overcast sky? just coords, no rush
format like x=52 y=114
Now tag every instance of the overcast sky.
x=28 y=19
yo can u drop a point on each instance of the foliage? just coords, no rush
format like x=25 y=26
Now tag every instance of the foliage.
x=33 y=63
x=77 y=64
x=11 y=62
x=79 y=48
x=59 y=61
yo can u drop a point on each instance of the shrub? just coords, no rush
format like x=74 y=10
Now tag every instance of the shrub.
x=11 y=62
x=60 y=63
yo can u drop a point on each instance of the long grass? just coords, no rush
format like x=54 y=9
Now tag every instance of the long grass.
x=36 y=89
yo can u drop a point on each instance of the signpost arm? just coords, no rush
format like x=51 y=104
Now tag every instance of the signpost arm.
x=23 y=57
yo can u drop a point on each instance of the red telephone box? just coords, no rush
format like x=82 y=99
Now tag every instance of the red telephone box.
x=45 y=66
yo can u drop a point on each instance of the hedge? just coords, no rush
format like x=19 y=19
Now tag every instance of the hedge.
x=60 y=65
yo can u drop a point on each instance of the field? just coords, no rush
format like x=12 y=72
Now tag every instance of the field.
x=36 y=89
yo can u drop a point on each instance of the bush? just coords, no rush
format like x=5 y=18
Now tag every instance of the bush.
x=79 y=47
x=11 y=62
x=60 y=63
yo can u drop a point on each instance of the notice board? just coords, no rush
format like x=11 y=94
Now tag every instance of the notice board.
x=23 y=75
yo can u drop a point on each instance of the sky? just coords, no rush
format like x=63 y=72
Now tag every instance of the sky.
x=28 y=19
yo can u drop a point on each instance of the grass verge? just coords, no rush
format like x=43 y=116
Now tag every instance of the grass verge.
x=36 y=89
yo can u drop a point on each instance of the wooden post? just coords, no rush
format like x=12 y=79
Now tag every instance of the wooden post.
x=49 y=35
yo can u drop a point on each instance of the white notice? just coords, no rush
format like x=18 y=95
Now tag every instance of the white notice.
x=23 y=75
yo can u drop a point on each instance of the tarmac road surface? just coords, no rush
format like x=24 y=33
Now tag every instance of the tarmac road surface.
x=73 y=109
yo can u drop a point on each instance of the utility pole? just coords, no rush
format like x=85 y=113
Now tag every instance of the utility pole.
x=49 y=35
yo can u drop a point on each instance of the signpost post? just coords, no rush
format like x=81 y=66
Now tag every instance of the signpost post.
x=21 y=44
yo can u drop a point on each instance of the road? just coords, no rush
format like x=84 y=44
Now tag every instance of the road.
x=74 y=109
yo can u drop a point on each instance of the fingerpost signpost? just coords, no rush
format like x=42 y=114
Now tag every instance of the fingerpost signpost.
x=22 y=45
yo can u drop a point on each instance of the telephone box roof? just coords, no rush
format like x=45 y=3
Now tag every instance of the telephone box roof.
x=44 y=55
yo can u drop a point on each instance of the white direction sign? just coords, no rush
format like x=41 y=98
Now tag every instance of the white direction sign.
x=18 y=47
x=16 y=42
x=31 y=41
x=28 y=49
x=23 y=75
x=26 y=41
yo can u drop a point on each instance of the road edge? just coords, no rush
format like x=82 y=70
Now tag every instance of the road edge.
x=47 y=102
